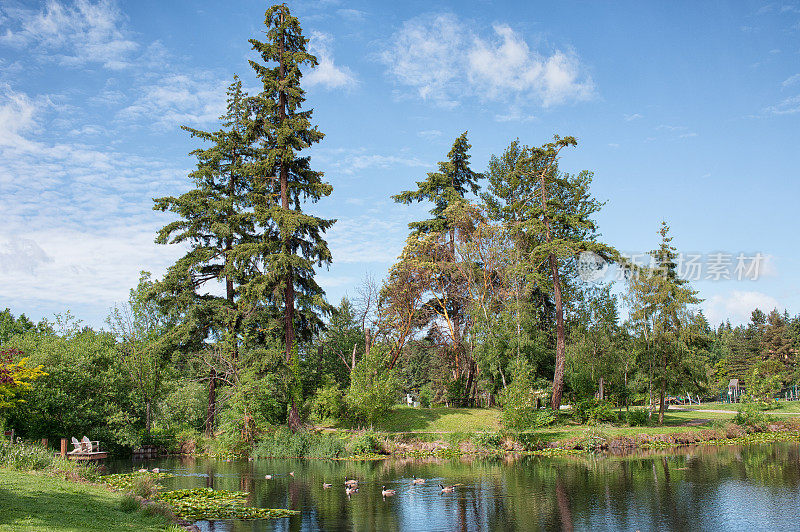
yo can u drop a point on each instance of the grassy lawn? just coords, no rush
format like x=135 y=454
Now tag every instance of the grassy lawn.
x=38 y=503
x=406 y=419
x=786 y=407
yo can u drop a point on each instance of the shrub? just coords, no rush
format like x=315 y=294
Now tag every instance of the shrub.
x=593 y=439
x=373 y=388
x=129 y=503
x=365 y=443
x=328 y=401
x=637 y=417
x=281 y=442
x=521 y=399
x=530 y=441
x=145 y=487
x=752 y=418
x=594 y=411
x=153 y=509
x=426 y=396
x=487 y=440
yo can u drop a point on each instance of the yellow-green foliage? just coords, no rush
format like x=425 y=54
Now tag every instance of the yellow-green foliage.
x=15 y=377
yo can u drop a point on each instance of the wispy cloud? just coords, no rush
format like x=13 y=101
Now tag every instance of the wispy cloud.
x=632 y=117
x=791 y=80
x=74 y=35
x=737 y=306
x=788 y=106
x=327 y=73
x=172 y=100
x=442 y=60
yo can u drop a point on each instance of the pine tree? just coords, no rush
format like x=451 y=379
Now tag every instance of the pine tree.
x=660 y=301
x=217 y=222
x=432 y=247
x=284 y=180
x=549 y=214
x=443 y=188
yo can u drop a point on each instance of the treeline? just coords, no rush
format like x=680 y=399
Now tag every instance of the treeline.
x=488 y=304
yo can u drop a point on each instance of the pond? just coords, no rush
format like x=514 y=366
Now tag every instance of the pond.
x=752 y=487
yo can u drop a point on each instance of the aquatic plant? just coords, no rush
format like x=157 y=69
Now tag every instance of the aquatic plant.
x=207 y=503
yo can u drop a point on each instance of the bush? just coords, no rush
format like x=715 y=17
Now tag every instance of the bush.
x=530 y=441
x=593 y=439
x=328 y=401
x=426 y=396
x=283 y=443
x=594 y=411
x=129 y=503
x=637 y=417
x=487 y=440
x=161 y=509
x=521 y=399
x=373 y=388
x=145 y=487
x=365 y=443
x=751 y=417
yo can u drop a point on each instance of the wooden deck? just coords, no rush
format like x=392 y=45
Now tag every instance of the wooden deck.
x=100 y=455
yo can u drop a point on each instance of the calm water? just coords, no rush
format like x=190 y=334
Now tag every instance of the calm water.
x=755 y=487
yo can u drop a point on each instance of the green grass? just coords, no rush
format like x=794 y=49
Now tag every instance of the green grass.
x=38 y=503
x=786 y=407
x=406 y=419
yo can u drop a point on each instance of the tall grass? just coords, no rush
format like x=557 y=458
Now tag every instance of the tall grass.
x=283 y=443
x=27 y=457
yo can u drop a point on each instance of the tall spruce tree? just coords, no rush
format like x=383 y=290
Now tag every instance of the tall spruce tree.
x=216 y=220
x=284 y=180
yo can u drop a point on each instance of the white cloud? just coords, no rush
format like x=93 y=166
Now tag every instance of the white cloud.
x=16 y=116
x=73 y=35
x=430 y=133
x=352 y=14
x=327 y=73
x=443 y=60
x=179 y=99
x=791 y=80
x=631 y=118
x=736 y=306
x=789 y=106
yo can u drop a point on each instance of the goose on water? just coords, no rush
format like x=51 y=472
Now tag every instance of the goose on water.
x=387 y=493
x=447 y=489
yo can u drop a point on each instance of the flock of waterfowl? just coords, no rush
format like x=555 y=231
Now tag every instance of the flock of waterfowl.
x=351 y=486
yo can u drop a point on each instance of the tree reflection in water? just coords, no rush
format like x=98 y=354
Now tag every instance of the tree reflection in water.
x=704 y=487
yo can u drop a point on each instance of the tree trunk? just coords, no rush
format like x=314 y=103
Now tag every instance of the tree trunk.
x=601 y=392
x=147 y=422
x=663 y=390
x=561 y=349
x=212 y=403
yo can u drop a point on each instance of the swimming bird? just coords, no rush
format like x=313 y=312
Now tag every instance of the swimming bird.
x=447 y=489
x=326 y=485
x=268 y=477
x=387 y=493
x=291 y=473
x=418 y=481
x=349 y=491
x=352 y=482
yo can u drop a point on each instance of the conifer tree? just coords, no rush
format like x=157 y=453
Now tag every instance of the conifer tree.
x=284 y=180
x=548 y=213
x=660 y=301
x=445 y=189
x=216 y=220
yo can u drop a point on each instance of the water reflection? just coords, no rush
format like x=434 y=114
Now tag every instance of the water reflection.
x=754 y=487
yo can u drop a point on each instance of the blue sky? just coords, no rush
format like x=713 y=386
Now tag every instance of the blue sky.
x=685 y=111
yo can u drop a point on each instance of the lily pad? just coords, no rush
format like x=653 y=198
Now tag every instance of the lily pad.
x=207 y=503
